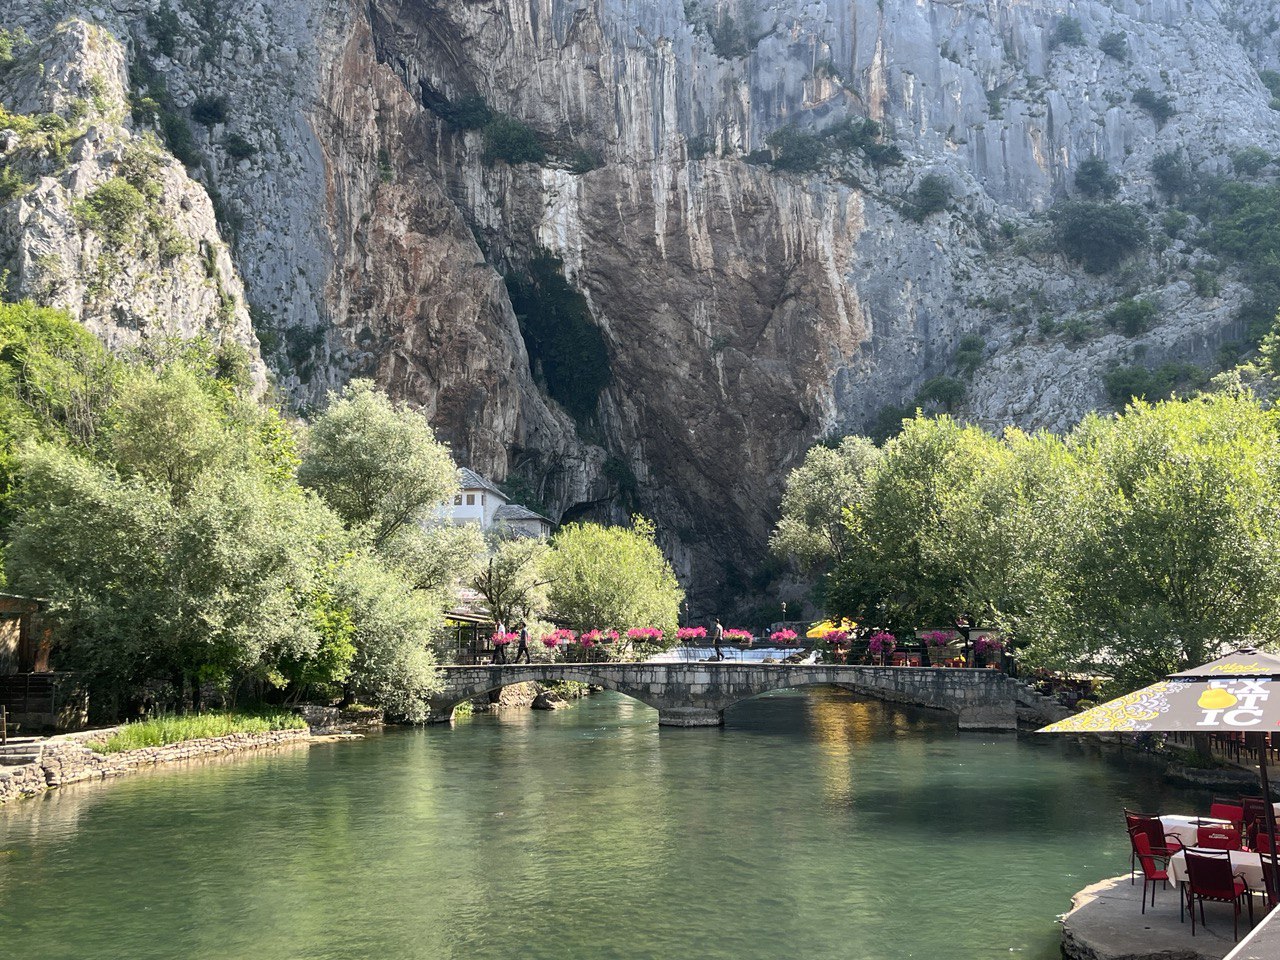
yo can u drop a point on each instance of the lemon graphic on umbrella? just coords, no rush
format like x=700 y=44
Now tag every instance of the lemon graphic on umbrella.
x=1216 y=698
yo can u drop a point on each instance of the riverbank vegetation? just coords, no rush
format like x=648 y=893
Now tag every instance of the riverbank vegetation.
x=196 y=546
x=1128 y=548
x=163 y=730
x=190 y=538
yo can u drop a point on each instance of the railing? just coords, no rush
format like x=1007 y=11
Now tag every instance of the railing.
x=4 y=725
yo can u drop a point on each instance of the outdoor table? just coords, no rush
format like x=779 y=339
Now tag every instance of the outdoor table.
x=1248 y=865
x=1184 y=828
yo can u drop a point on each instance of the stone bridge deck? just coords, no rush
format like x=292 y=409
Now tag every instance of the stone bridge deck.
x=697 y=694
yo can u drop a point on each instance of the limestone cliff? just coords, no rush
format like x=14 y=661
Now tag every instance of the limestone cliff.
x=97 y=217
x=644 y=175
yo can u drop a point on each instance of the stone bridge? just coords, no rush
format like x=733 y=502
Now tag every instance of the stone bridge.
x=697 y=694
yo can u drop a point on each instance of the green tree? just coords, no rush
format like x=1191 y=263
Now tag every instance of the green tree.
x=1098 y=235
x=612 y=577
x=909 y=546
x=812 y=530
x=393 y=665
x=1095 y=179
x=512 y=581
x=1176 y=534
x=377 y=464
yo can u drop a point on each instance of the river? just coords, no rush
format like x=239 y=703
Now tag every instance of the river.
x=813 y=825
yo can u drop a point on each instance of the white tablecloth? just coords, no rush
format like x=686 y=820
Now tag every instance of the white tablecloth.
x=1248 y=865
x=1184 y=828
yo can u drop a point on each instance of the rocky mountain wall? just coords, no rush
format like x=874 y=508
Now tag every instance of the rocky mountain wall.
x=380 y=167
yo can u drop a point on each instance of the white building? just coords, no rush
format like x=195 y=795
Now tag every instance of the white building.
x=481 y=502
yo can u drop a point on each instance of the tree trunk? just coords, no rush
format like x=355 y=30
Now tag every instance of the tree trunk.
x=1200 y=743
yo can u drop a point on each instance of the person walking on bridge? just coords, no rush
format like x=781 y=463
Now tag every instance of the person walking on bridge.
x=522 y=650
x=717 y=638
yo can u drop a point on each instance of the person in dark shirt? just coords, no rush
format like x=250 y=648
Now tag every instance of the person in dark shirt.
x=522 y=650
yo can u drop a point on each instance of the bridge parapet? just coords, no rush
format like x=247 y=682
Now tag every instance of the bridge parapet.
x=697 y=694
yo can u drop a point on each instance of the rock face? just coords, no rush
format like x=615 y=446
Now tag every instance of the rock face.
x=745 y=309
x=69 y=238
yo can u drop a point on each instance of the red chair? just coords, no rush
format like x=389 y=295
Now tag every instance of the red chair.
x=1262 y=841
x=1152 y=872
x=1271 y=880
x=1209 y=877
x=1160 y=843
x=1255 y=816
x=1218 y=838
x=1227 y=810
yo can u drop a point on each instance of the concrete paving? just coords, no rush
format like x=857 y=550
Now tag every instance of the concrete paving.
x=1107 y=923
x=1263 y=943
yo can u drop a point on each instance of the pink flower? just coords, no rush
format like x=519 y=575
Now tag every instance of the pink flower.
x=691 y=633
x=502 y=639
x=557 y=637
x=783 y=636
x=882 y=642
x=937 y=638
x=738 y=636
x=988 y=645
x=645 y=634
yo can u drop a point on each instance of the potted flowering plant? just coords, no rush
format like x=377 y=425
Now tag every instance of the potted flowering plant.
x=990 y=649
x=687 y=634
x=837 y=641
x=937 y=643
x=784 y=637
x=645 y=635
x=881 y=645
x=558 y=638
x=738 y=636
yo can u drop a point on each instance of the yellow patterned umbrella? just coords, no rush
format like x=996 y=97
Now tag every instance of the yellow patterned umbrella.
x=1239 y=692
x=820 y=630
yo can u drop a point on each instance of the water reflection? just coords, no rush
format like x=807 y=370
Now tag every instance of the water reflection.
x=813 y=825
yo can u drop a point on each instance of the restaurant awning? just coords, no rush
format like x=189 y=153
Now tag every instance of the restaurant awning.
x=1239 y=692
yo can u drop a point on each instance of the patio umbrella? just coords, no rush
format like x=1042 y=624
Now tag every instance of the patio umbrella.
x=820 y=630
x=1238 y=692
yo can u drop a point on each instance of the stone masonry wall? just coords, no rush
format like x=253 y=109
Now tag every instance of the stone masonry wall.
x=68 y=759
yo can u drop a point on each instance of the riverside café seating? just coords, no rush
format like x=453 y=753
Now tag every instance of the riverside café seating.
x=1211 y=875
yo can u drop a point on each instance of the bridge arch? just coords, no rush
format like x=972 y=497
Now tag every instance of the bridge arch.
x=697 y=694
x=443 y=704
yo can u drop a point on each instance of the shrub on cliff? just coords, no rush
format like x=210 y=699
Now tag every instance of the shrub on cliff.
x=509 y=140
x=1158 y=105
x=1067 y=33
x=567 y=351
x=1095 y=179
x=1098 y=235
x=113 y=210
x=1115 y=45
x=1132 y=317
x=930 y=197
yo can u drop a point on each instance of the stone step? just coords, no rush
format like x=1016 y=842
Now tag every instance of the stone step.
x=18 y=759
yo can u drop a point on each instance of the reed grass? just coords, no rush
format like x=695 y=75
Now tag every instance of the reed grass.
x=159 y=731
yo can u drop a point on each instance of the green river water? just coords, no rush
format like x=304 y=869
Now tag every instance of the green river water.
x=813 y=825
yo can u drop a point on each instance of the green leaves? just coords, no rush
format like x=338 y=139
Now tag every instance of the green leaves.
x=1136 y=544
x=377 y=464
x=611 y=578
x=157 y=507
